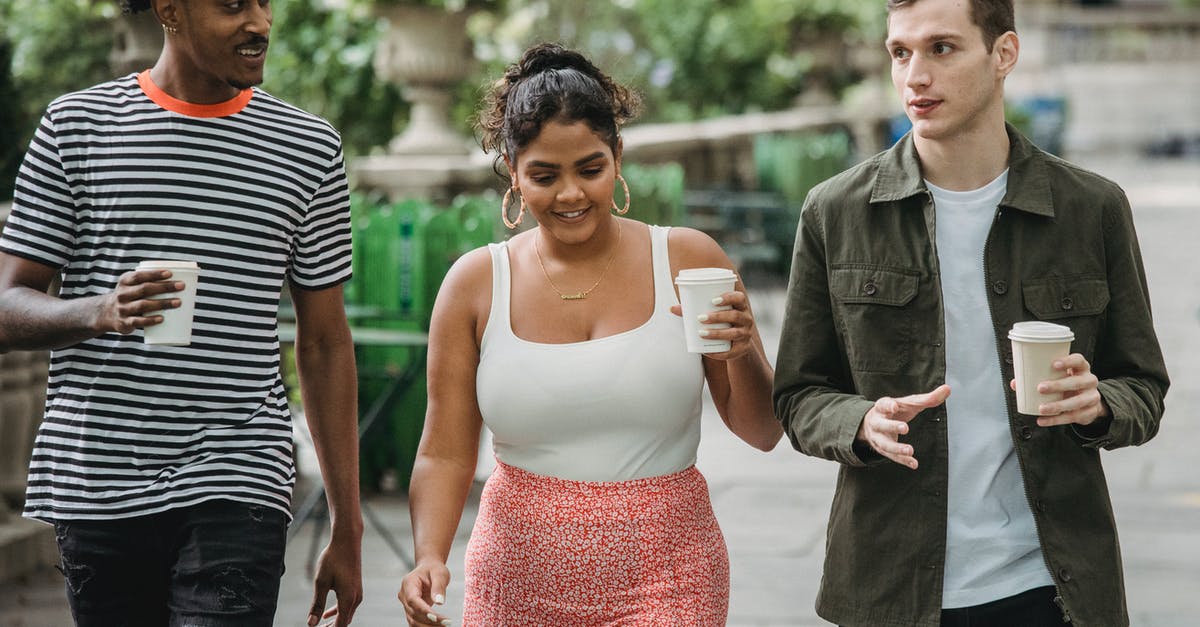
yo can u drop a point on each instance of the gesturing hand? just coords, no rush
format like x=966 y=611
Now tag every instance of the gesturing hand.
x=888 y=419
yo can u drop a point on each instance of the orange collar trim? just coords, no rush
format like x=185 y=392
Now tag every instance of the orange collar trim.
x=170 y=103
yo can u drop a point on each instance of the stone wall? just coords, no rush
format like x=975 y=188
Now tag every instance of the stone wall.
x=1130 y=76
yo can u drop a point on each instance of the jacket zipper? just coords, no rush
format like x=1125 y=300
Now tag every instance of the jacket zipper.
x=987 y=280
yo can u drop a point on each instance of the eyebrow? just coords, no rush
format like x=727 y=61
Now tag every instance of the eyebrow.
x=578 y=162
x=892 y=43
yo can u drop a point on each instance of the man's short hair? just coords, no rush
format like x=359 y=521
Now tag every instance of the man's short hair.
x=993 y=17
x=129 y=7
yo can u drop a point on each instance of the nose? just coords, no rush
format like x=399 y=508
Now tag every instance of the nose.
x=571 y=192
x=258 y=20
x=917 y=75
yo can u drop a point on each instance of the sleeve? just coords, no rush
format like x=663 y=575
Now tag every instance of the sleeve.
x=42 y=225
x=813 y=388
x=1128 y=359
x=321 y=255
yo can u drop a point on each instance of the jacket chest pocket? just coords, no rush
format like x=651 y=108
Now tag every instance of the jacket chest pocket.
x=1078 y=302
x=871 y=307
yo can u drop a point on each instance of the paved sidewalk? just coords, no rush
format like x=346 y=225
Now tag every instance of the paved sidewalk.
x=773 y=506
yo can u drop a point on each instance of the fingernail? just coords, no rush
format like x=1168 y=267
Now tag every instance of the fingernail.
x=432 y=617
x=703 y=332
x=702 y=317
x=718 y=300
x=447 y=622
x=438 y=599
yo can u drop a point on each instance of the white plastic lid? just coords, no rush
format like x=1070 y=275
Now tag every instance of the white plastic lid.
x=1037 y=331
x=704 y=275
x=168 y=264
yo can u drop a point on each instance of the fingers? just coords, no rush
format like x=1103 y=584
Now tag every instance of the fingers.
x=882 y=434
x=317 y=608
x=420 y=593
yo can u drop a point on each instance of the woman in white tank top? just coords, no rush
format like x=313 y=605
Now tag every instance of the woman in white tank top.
x=566 y=341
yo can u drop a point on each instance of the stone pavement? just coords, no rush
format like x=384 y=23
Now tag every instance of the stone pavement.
x=773 y=506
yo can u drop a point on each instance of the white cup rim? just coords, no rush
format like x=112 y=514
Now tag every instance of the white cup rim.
x=1040 y=332
x=704 y=275
x=168 y=264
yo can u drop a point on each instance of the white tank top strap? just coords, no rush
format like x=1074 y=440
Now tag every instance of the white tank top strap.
x=664 y=290
x=500 y=310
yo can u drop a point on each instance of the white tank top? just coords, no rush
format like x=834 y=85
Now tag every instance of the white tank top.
x=621 y=407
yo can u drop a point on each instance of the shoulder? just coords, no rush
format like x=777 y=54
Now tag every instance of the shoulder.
x=1067 y=177
x=469 y=274
x=690 y=248
x=850 y=187
x=298 y=120
x=104 y=95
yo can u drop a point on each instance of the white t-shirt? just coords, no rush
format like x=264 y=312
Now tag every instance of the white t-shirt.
x=992 y=549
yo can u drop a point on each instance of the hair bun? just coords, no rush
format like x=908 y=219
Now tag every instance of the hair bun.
x=549 y=56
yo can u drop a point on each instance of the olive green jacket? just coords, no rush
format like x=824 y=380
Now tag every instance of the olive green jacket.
x=864 y=320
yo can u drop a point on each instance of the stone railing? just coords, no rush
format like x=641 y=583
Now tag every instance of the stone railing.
x=713 y=152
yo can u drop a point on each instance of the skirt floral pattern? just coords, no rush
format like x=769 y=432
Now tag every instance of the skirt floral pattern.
x=549 y=551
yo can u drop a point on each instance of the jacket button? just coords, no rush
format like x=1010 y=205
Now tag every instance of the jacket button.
x=1026 y=433
x=1067 y=303
x=1064 y=576
x=1000 y=287
x=869 y=288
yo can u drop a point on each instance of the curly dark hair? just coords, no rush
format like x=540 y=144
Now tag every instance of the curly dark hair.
x=551 y=82
x=129 y=7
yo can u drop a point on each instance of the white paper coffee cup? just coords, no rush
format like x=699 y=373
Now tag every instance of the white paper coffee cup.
x=176 y=327
x=1036 y=346
x=697 y=289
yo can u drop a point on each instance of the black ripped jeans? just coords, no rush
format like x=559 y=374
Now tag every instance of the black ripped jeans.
x=215 y=564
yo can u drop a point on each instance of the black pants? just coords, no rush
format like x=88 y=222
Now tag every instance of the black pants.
x=216 y=564
x=1032 y=608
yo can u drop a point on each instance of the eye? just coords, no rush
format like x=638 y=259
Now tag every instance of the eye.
x=899 y=54
x=542 y=179
x=942 y=48
x=593 y=172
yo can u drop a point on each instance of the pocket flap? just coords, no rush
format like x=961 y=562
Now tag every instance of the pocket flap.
x=873 y=284
x=1065 y=297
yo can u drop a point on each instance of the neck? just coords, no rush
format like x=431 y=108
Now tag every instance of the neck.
x=967 y=161
x=172 y=75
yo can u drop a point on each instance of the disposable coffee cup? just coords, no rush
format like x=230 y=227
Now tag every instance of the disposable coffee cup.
x=176 y=327
x=1036 y=346
x=697 y=289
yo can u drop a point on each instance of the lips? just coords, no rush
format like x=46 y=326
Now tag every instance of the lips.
x=922 y=106
x=571 y=216
x=253 y=50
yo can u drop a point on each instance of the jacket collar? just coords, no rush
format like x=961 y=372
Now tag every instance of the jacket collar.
x=899 y=175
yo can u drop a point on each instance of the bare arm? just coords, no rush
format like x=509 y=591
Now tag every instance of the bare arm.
x=329 y=386
x=445 y=463
x=31 y=319
x=739 y=379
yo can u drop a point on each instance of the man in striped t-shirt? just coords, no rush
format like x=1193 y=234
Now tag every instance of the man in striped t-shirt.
x=168 y=471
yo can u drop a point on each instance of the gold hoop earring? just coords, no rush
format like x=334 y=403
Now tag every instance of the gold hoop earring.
x=622 y=210
x=504 y=209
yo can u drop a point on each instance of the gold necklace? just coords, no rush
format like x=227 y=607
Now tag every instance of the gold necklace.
x=584 y=294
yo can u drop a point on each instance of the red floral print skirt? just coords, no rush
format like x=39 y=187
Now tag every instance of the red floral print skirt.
x=549 y=551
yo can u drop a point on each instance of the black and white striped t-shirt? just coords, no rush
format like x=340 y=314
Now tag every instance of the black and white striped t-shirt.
x=254 y=190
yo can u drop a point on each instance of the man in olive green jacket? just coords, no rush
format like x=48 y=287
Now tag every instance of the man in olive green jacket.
x=909 y=269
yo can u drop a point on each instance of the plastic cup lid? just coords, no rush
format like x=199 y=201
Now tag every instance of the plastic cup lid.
x=704 y=275
x=1037 y=331
x=168 y=264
